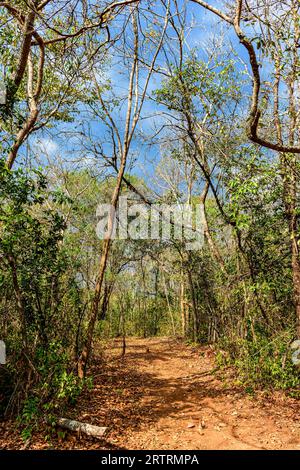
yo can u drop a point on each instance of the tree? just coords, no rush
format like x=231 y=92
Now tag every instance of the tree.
x=47 y=64
x=135 y=100
x=279 y=42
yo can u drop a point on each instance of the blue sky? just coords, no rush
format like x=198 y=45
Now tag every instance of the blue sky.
x=55 y=141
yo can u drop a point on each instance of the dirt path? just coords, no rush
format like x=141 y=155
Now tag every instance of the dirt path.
x=165 y=395
x=187 y=407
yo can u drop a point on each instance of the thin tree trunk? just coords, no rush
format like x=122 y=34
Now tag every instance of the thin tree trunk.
x=182 y=307
x=169 y=307
x=123 y=330
x=212 y=245
x=194 y=305
x=85 y=353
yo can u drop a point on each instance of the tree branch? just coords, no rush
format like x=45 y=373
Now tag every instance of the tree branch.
x=255 y=113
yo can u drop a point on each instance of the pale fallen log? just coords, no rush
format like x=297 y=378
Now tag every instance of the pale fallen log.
x=89 y=429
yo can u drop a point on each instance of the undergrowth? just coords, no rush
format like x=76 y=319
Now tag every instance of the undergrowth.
x=56 y=388
x=262 y=363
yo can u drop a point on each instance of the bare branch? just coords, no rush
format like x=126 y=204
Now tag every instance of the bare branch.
x=255 y=113
x=214 y=10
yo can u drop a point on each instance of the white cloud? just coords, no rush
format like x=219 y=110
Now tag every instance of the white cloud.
x=47 y=145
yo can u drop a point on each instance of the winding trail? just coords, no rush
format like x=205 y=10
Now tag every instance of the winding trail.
x=166 y=395
x=169 y=396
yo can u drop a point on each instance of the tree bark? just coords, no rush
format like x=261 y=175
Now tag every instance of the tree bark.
x=89 y=429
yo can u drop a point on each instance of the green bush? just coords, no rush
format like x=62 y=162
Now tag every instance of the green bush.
x=263 y=362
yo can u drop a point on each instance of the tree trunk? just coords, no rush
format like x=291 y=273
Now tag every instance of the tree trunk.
x=89 y=429
x=194 y=305
x=123 y=331
x=212 y=245
x=184 y=321
x=169 y=307
x=123 y=149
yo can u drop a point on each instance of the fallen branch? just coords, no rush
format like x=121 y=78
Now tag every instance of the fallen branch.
x=89 y=429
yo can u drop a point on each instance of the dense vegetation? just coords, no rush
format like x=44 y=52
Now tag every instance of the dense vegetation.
x=161 y=102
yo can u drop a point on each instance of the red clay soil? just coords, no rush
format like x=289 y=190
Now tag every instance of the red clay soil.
x=166 y=395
